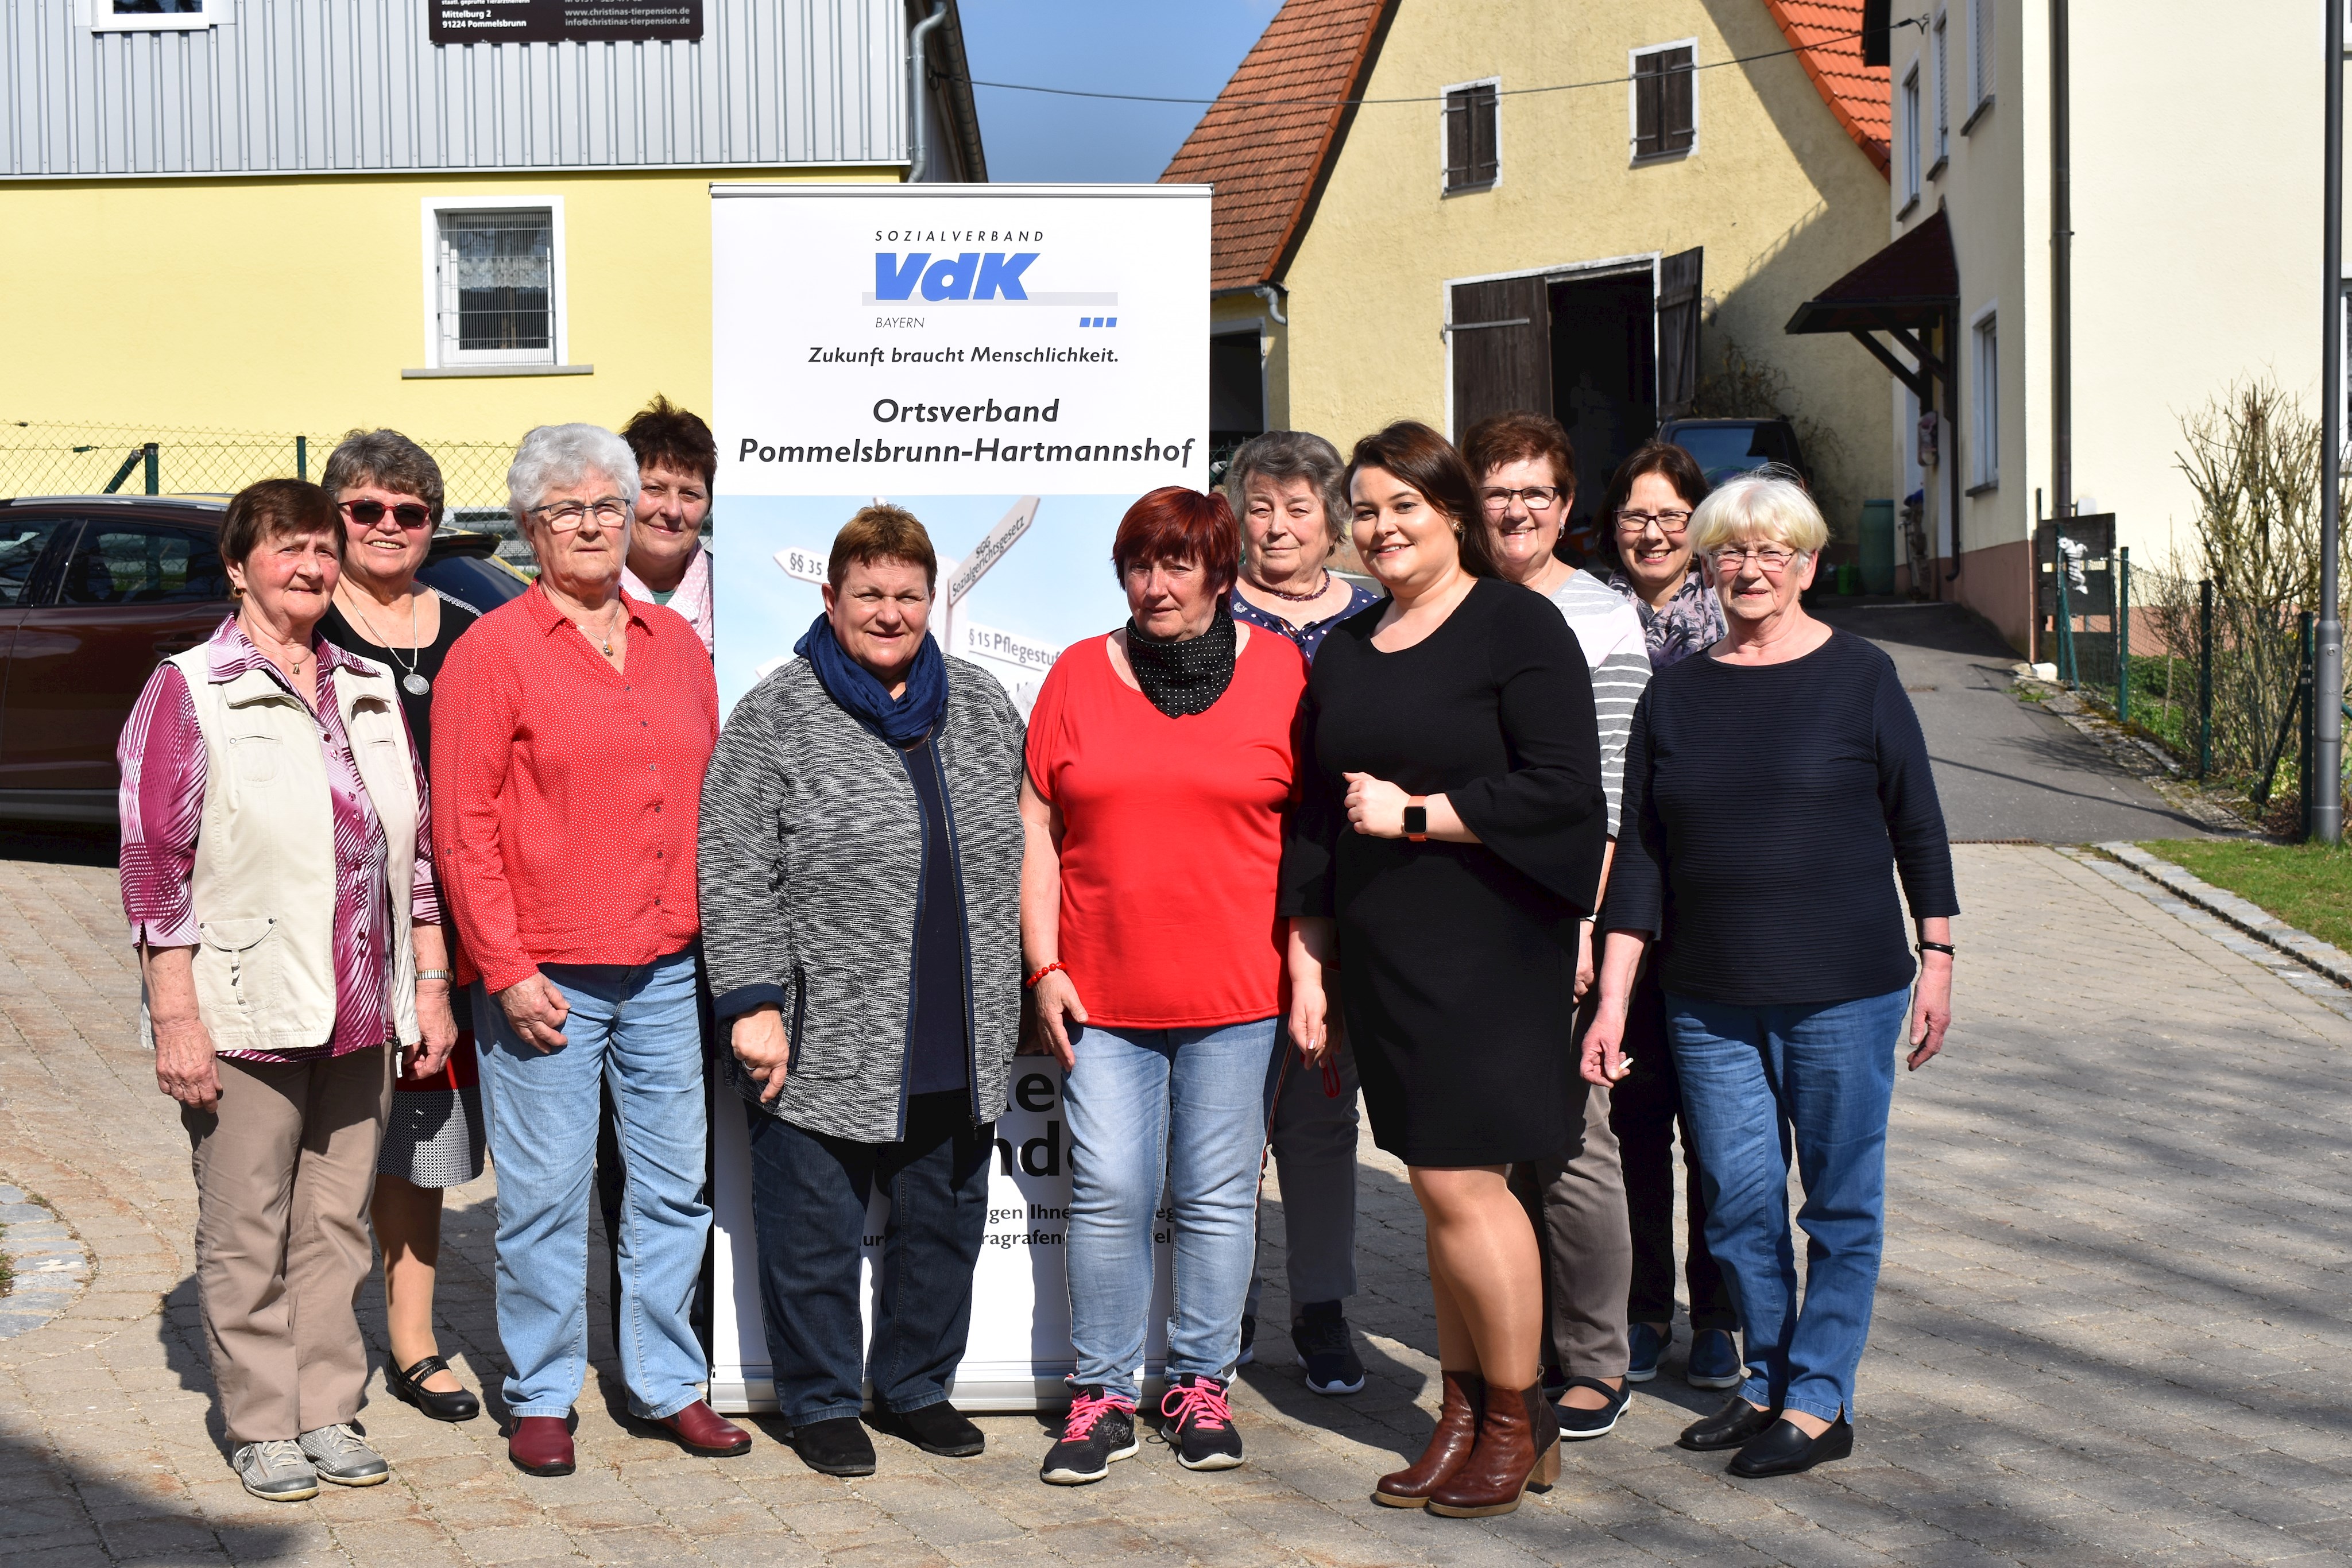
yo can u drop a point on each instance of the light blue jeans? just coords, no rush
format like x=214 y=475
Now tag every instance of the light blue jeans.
x=1190 y=1102
x=1755 y=1080
x=636 y=1026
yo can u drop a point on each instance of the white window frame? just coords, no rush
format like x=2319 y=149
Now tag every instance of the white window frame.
x=1984 y=60
x=1446 y=93
x=1984 y=399
x=98 y=16
x=1633 y=102
x=493 y=361
x=1942 y=45
x=1907 y=132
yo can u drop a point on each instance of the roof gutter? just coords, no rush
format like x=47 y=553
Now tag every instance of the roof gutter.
x=919 y=86
x=1274 y=294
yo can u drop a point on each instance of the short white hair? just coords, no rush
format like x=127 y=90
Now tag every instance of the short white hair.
x=1769 y=503
x=559 y=455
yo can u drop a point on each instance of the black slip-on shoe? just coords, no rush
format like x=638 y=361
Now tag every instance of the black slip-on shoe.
x=837 y=1446
x=1784 y=1449
x=1728 y=1428
x=1577 y=1423
x=936 y=1428
x=408 y=1388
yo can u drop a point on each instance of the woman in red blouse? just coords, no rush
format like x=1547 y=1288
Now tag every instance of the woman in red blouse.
x=1159 y=771
x=575 y=724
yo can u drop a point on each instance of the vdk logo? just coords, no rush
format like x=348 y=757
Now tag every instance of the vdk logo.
x=972 y=275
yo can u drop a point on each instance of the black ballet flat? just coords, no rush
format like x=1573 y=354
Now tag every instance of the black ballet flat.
x=1730 y=1428
x=409 y=1388
x=1785 y=1450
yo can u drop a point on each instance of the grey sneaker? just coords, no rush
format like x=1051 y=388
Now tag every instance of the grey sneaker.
x=343 y=1458
x=276 y=1471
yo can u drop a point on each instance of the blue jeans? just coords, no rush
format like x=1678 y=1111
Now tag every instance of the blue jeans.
x=1753 y=1080
x=636 y=1027
x=1190 y=1102
x=809 y=1198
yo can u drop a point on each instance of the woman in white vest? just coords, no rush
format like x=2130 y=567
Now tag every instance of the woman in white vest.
x=278 y=873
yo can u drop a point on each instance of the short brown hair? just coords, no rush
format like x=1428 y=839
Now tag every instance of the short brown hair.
x=1426 y=461
x=387 y=459
x=882 y=532
x=663 y=433
x=1515 y=437
x=1664 y=458
x=272 y=509
x=1173 y=524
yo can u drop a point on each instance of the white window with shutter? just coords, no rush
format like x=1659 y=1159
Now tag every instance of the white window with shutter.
x=1665 y=104
x=1983 y=68
x=494 y=282
x=1943 y=90
x=1907 y=132
x=1470 y=137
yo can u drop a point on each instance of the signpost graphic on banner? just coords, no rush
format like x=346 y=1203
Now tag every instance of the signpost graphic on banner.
x=1014 y=364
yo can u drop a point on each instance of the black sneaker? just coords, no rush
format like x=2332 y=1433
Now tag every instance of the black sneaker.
x=1199 y=1425
x=1099 y=1430
x=1325 y=1349
x=1249 y=1341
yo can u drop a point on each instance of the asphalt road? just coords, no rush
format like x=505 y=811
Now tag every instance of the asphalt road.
x=2005 y=770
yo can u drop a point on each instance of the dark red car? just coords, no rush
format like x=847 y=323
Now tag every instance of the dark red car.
x=95 y=591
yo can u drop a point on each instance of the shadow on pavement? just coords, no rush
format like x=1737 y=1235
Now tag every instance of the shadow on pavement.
x=59 y=843
x=57 y=1511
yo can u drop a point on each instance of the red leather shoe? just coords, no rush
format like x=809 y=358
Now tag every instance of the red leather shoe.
x=705 y=1431
x=540 y=1445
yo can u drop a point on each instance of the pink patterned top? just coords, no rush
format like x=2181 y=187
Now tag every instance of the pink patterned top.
x=162 y=754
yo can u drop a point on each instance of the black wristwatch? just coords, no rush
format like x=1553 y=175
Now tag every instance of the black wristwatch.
x=1416 y=820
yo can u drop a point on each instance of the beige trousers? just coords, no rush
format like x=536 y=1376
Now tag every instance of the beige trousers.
x=285 y=1166
x=1578 y=1205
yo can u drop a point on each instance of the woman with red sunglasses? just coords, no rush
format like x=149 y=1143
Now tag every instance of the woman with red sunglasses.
x=387 y=494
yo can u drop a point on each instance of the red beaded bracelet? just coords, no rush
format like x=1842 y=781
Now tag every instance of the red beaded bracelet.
x=1031 y=983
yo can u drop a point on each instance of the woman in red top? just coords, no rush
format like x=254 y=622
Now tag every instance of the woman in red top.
x=1160 y=772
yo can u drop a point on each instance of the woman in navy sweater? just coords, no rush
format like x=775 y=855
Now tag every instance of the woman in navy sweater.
x=1787 y=971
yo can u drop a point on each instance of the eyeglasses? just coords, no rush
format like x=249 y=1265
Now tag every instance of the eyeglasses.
x=1535 y=498
x=610 y=512
x=408 y=514
x=1674 y=524
x=1770 y=559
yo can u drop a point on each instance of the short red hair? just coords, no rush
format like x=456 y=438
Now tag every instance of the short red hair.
x=1175 y=524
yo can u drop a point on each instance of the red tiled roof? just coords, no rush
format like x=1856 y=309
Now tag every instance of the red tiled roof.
x=1827 y=34
x=1265 y=156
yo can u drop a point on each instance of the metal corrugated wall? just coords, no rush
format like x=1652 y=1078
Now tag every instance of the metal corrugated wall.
x=327 y=85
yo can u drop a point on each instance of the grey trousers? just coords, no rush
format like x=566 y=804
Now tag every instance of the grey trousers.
x=1313 y=1135
x=1578 y=1205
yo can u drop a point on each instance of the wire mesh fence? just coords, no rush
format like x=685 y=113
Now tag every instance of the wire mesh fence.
x=44 y=458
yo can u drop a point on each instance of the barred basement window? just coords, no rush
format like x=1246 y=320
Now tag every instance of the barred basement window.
x=1665 y=100
x=1473 y=144
x=497 y=276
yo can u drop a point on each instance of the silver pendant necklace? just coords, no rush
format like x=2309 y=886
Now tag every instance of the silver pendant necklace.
x=414 y=683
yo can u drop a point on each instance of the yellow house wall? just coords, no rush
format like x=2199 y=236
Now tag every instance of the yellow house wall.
x=1779 y=195
x=292 y=304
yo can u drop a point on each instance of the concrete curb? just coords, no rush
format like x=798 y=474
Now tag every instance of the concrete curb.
x=2252 y=919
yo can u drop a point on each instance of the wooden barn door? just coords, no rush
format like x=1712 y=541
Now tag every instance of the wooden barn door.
x=1500 y=335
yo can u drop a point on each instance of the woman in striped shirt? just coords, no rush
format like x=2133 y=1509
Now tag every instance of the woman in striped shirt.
x=1527 y=482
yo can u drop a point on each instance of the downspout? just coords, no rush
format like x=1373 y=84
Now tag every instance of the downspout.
x=2062 y=276
x=1274 y=294
x=918 y=87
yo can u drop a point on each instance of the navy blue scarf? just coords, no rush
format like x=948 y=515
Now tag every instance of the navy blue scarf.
x=902 y=721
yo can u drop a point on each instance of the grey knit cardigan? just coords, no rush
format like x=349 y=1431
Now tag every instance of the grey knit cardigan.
x=809 y=859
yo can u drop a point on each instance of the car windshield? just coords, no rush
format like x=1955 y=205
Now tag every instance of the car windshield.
x=475 y=581
x=1723 y=450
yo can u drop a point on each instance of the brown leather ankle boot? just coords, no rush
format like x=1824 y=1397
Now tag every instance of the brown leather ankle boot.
x=1518 y=1448
x=1463 y=1401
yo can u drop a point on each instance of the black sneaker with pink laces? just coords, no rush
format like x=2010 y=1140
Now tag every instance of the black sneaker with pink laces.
x=1100 y=1427
x=1199 y=1425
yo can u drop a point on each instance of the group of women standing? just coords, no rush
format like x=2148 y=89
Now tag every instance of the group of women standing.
x=1274 y=838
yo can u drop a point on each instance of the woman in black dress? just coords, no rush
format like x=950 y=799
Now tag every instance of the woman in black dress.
x=388 y=492
x=1448 y=836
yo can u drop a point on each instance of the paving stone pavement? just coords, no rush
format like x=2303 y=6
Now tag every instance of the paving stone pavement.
x=2112 y=1327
